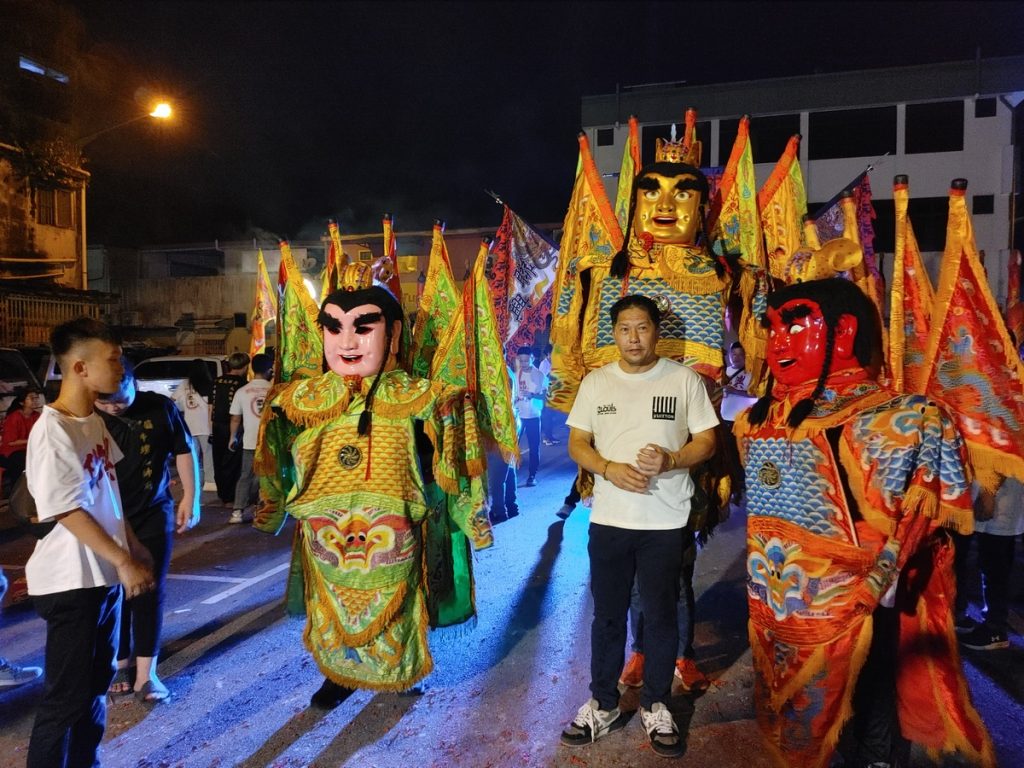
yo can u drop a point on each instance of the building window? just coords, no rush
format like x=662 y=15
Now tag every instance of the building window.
x=365 y=255
x=982 y=204
x=605 y=137
x=649 y=133
x=851 y=133
x=985 y=107
x=929 y=215
x=768 y=136
x=55 y=207
x=935 y=127
x=27 y=64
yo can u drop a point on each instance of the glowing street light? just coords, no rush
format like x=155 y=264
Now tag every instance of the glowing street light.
x=161 y=111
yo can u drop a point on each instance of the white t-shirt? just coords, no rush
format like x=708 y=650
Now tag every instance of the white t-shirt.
x=734 y=405
x=248 y=403
x=626 y=411
x=195 y=408
x=70 y=465
x=1008 y=518
x=530 y=381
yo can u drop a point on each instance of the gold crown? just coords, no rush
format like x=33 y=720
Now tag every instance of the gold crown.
x=686 y=150
x=355 y=277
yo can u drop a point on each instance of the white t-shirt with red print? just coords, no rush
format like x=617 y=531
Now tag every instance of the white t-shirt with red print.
x=248 y=403
x=70 y=465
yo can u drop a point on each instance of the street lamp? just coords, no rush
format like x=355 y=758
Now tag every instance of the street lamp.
x=161 y=111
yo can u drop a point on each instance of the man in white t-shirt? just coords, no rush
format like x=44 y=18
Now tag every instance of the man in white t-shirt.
x=246 y=407
x=77 y=569
x=529 y=401
x=638 y=424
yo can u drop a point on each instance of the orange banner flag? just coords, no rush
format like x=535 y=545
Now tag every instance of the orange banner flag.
x=970 y=361
x=783 y=204
x=911 y=297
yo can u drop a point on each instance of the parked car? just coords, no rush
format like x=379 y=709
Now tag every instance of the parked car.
x=166 y=374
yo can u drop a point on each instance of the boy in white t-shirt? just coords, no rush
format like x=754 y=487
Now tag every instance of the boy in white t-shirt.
x=246 y=407
x=77 y=569
x=638 y=424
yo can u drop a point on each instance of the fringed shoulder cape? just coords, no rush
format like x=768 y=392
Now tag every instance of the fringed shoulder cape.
x=843 y=511
x=383 y=552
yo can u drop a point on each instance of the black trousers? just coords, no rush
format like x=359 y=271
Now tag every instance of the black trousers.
x=81 y=637
x=653 y=558
x=142 y=617
x=531 y=428
x=227 y=465
x=995 y=561
x=501 y=487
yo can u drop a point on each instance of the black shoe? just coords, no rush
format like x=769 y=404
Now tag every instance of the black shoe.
x=330 y=695
x=564 y=511
x=513 y=512
x=984 y=638
x=531 y=481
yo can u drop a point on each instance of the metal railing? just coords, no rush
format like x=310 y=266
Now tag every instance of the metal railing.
x=29 y=319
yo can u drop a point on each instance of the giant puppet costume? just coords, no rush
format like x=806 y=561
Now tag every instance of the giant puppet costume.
x=364 y=496
x=849 y=485
x=664 y=258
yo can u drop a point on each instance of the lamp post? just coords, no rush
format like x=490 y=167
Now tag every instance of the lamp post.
x=161 y=111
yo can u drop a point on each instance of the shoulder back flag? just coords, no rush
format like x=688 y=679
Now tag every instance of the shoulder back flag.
x=970 y=362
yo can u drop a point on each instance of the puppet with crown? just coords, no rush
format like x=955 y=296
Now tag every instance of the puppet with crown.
x=354 y=455
x=664 y=257
x=850 y=486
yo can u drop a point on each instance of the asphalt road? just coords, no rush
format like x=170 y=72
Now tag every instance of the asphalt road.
x=501 y=692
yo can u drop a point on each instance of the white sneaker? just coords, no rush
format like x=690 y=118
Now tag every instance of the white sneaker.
x=236 y=516
x=591 y=723
x=11 y=675
x=662 y=731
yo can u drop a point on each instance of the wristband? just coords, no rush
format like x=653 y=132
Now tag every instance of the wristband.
x=604 y=472
x=672 y=461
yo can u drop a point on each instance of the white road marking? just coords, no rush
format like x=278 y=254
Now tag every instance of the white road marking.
x=196 y=577
x=246 y=584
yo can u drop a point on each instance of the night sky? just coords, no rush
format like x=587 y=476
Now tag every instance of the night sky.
x=292 y=112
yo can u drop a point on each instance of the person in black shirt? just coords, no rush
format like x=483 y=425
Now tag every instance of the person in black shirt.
x=149 y=430
x=227 y=464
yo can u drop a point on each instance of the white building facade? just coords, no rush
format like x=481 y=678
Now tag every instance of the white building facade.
x=934 y=123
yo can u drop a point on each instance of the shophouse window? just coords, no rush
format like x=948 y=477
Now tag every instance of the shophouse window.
x=768 y=136
x=935 y=127
x=851 y=133
x=55 y=207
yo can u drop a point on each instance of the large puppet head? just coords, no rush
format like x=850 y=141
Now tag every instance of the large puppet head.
x=667 y=209
x=815 y=330
x=362 y=326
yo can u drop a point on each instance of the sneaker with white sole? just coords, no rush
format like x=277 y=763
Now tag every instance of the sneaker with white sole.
x=11 y=675
x=591 y=724
x=236 y=516
x=662 y=731
x=984 y=638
